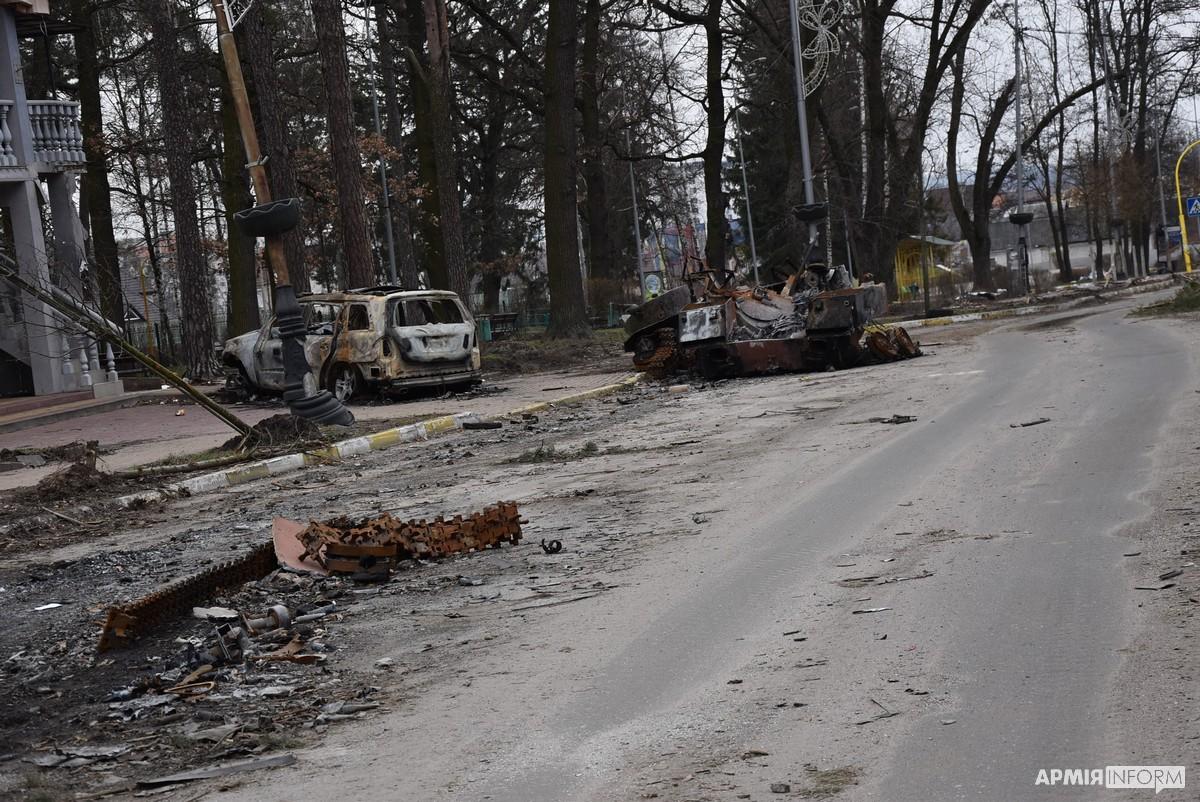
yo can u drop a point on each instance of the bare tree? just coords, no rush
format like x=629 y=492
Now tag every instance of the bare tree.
x=239 y=248
x=406 y=261
x=95 y=193
x=179 y=146
x=989 y=177
x=441 y=165
x=713 y=155
x=257 y=50
x=568 y=307
x=343 y=143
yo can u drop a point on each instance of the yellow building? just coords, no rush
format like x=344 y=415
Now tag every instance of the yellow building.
x=910 y=252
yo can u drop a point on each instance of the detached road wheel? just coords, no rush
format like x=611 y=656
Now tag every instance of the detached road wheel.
x=344 y=382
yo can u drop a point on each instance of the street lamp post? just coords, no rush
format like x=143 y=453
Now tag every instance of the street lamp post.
x=1183 y=240
x=1162 y=201
x=1021 y=218
x=637 y=224
x=802 y=112
x=746 y=190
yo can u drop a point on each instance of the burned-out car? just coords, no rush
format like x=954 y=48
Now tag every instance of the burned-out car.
x=383 y=338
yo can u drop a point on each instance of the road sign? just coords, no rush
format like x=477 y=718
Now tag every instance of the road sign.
x=1193 y=206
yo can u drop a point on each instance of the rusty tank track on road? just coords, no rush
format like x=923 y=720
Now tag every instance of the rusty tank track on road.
x=125 y=622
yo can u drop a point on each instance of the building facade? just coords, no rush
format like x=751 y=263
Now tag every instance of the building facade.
x=41 y=154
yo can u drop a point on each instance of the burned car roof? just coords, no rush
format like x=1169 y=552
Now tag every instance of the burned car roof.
x=370 y=295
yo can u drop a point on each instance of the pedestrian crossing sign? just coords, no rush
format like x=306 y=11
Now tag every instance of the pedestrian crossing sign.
x=1193 y=206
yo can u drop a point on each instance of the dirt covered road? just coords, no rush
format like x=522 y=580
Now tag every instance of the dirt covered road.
x=907 y=582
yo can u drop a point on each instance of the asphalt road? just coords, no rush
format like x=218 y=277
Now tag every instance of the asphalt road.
x=1033 y=642
x=1001 y=660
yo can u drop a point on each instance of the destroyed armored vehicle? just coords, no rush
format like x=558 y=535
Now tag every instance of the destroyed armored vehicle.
x=739 y=331
x=382 y=338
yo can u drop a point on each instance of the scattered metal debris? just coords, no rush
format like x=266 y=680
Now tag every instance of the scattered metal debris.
x=553 y=547
x=274 y=761
x=885 y=714
x=870 y=610
x=176 y=599
x=1037 y=422
x=895 y=419
x=360 y=546
x=214 y=614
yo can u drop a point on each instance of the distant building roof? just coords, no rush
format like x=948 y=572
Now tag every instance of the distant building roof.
x=28 y=6
x=931 y=240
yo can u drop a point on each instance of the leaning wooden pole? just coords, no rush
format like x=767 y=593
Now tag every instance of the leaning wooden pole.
x=80 y=315
x=271 y=220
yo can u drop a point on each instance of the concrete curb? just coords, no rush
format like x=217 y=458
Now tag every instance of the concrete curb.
x=1020 y=311
x=378 y=441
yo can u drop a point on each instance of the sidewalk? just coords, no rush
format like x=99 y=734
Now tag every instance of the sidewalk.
x=24 y=412
x=148 y=433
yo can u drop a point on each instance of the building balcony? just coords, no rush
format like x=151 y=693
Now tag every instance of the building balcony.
x=57 y=136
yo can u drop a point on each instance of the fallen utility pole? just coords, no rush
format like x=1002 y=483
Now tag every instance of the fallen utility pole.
x=85 y=318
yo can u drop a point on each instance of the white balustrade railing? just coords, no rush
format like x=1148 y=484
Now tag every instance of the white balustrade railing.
x=8 y=156
x=57 y=135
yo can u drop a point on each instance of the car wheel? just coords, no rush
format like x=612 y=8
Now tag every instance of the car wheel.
x=344 y=382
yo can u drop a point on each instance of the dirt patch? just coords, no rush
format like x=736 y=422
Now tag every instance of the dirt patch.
x=603 y=352
x=72 y=481
x=68 y=452
x=544 y=453
x=829 y=782
x=277 y=431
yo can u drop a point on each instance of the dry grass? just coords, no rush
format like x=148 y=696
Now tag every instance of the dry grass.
x=830 y=782
x=536 y=353
x=1186 y=300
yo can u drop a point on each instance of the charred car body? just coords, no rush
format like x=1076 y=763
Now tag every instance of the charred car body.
x=814 y=320
x=382 y=338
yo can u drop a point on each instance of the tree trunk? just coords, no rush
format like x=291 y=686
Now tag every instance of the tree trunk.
x=600 y=246
x=431 y=233
x=490 y=249
x=872 y=244
x=406 y=261
x=445 y=137
x=568 y=309
x=714 y=145
x=1066 y=272
x=256 y=49
x=343 y=143
x=235 y=195
x=96 y=200
x=179 y=148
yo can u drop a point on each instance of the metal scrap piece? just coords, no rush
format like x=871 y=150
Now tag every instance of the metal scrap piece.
x=175 y=599
x=417 y=538
x=221 y=771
